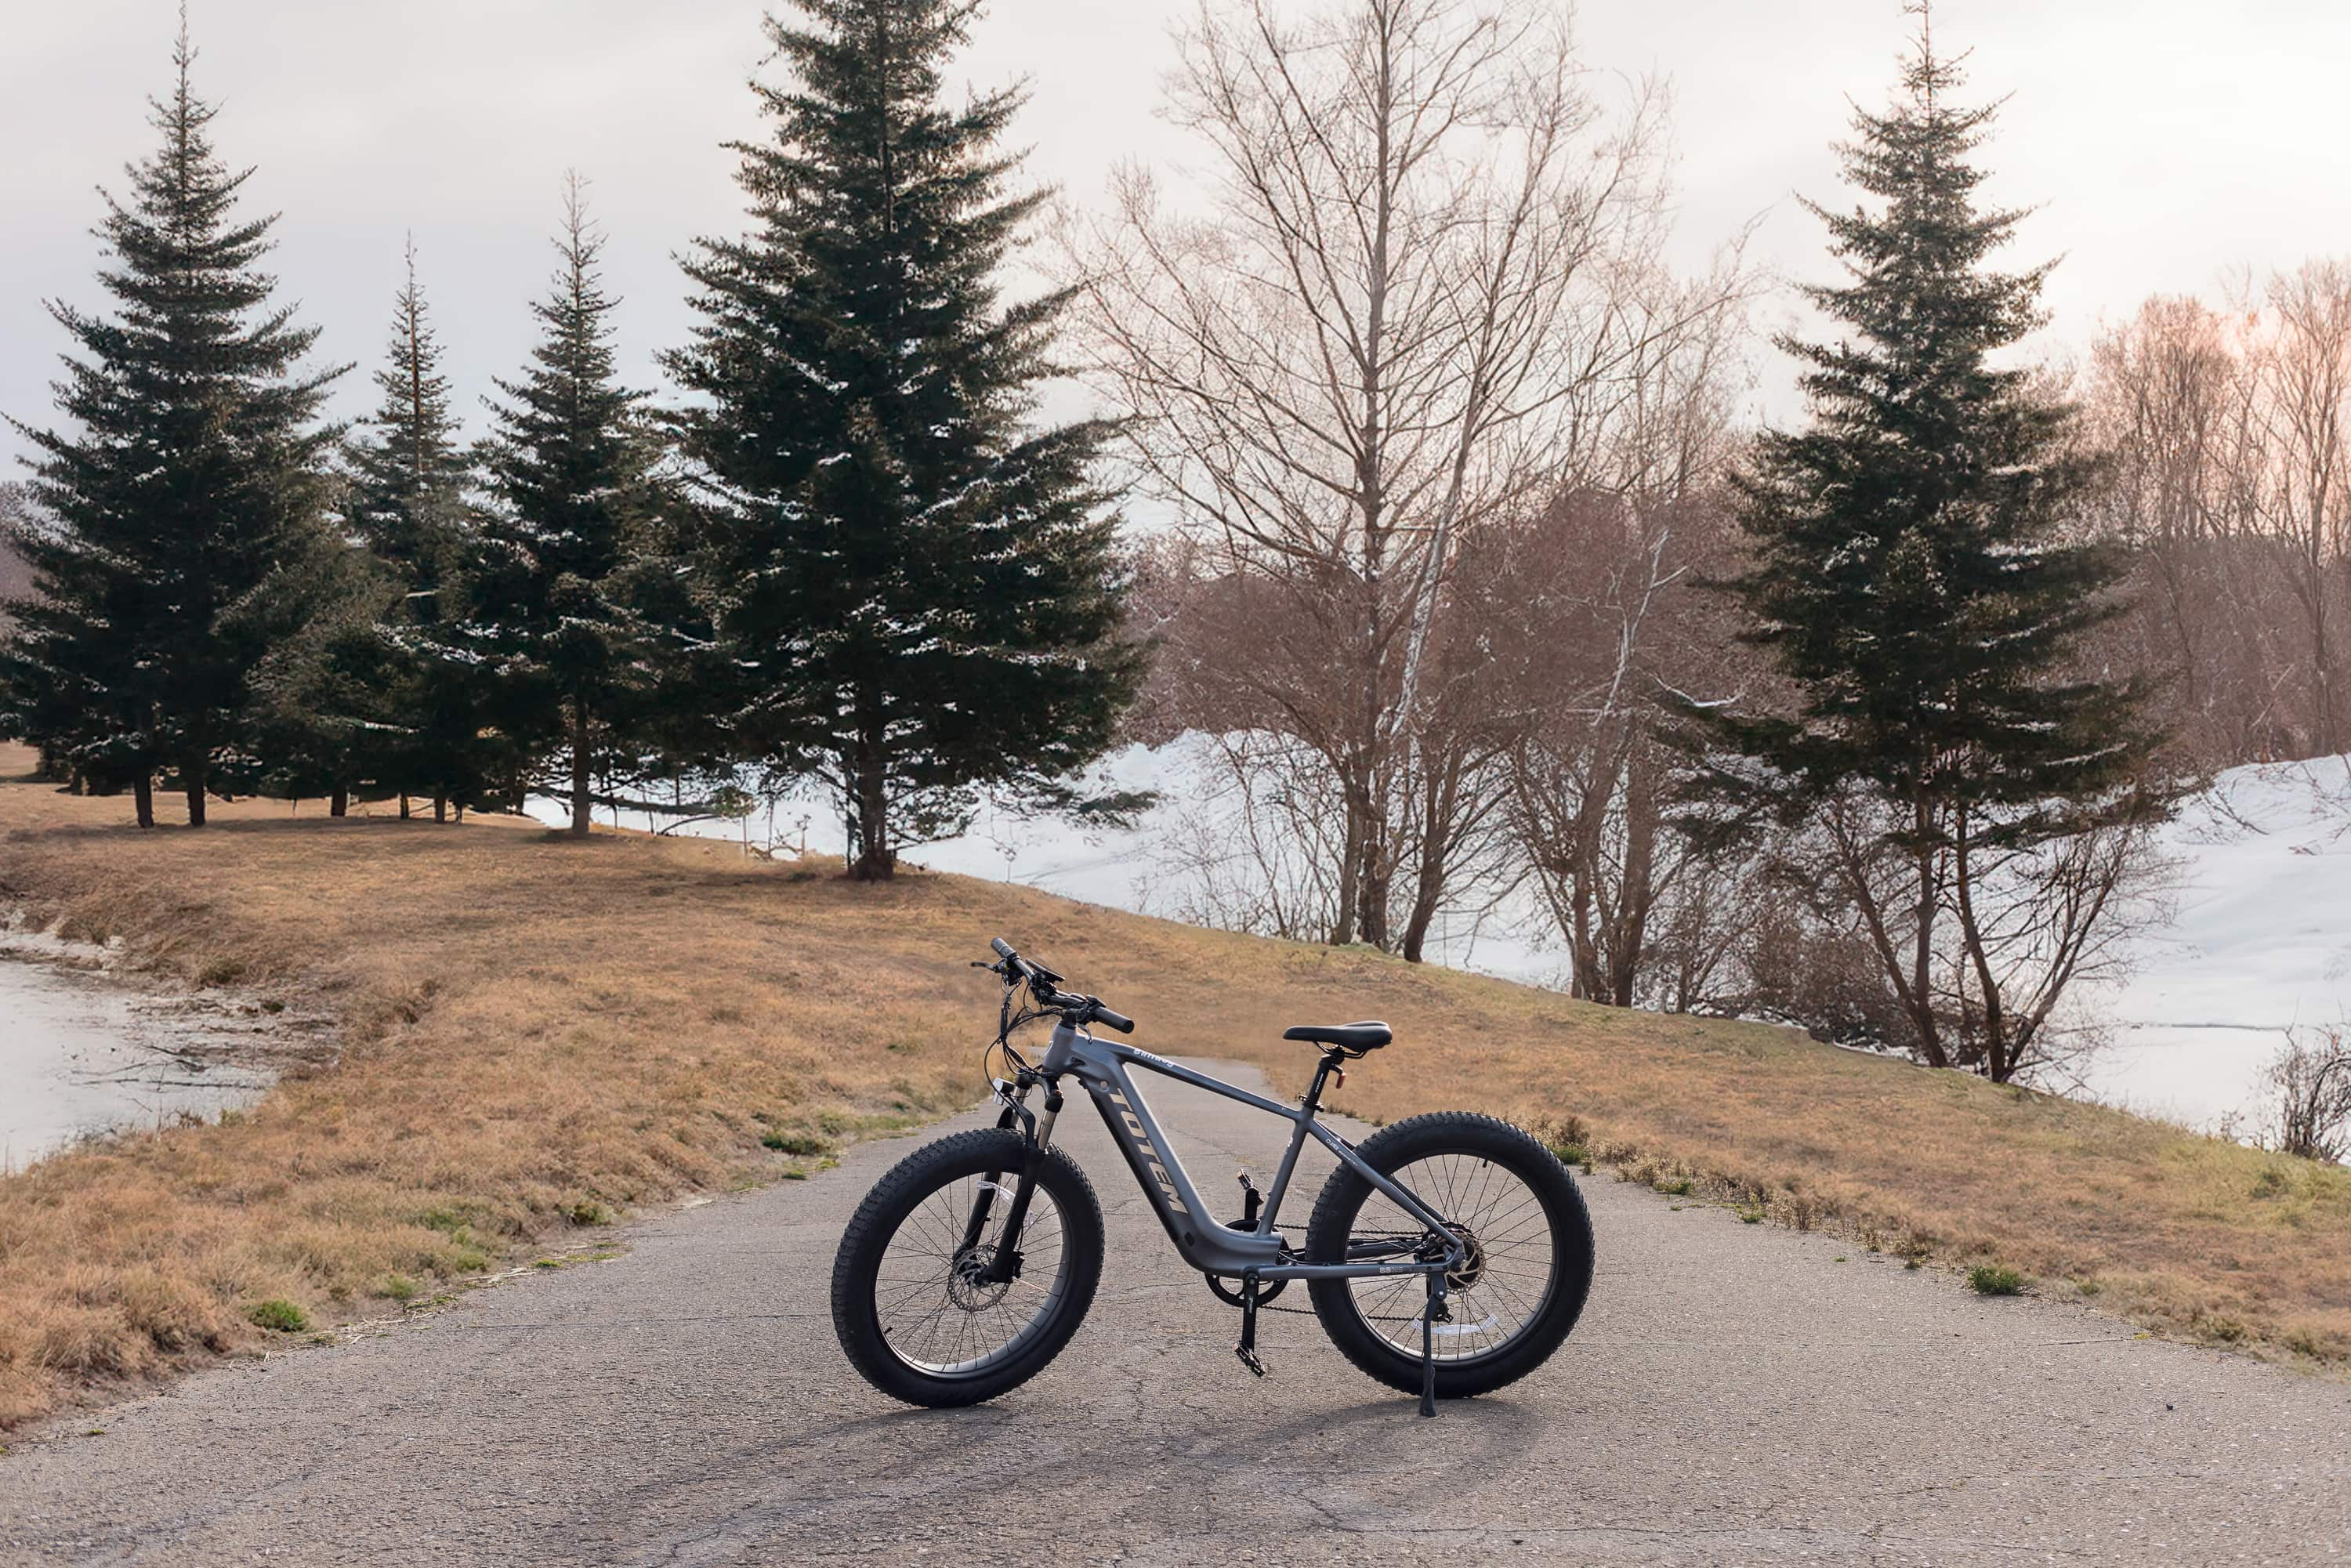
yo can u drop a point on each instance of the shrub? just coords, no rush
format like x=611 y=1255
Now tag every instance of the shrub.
x=278 y=1315
x=1825 y=981
x=801 y=1143
x=2312 y=1082
x=1995 y=1279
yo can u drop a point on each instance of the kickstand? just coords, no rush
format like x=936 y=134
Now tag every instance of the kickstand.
x=1246 y=1349
x=1428 y=1343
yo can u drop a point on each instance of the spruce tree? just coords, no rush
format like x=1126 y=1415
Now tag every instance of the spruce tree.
x=408 y=473
x=188 y=495
x=574 y=515
x=1916 y=575
x=912 y=585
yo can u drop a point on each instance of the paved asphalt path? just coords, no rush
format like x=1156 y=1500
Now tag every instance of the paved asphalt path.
x=1735 y=1394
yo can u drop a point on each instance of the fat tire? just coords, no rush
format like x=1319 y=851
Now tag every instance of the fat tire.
x=896 y=1196
x=1454 y=1133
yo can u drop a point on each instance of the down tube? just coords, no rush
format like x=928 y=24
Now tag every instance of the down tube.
x=1205 y=1242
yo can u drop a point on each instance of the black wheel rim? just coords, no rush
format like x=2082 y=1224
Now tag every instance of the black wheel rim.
x=1491 y=1300
x=936 y=1312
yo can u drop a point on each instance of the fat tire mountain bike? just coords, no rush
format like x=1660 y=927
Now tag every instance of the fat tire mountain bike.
x=1449 y=1256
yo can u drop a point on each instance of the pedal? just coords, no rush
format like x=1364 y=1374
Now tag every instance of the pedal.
x=1246 y=1349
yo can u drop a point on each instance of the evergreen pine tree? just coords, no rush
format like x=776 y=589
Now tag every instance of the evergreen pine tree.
x=570 y=470
x=1913 y=574
x=188 y=498
x=311 y=732
x=912 y=588
x=409 y=476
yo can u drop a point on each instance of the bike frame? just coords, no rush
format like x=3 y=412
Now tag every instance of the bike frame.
x=1102 y=1068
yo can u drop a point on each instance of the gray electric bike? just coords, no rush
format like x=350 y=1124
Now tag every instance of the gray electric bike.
x=1450 y=1254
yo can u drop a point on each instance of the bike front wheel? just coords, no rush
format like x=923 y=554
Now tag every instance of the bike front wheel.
x=913 y=1298
x=1511 y=1300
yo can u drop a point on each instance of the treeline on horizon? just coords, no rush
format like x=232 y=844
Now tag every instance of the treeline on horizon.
x=1477 y=586
x=851 y=557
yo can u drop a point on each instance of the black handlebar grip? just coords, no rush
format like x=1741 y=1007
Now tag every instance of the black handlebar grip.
x=1119 y=1021
x=1003 y=949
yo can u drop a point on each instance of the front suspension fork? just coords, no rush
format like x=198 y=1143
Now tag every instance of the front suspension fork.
x=1004 y=1266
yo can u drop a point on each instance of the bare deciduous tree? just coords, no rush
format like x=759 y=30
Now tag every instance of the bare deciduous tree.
x=1411 y=304
x=2312 y=1080
x=2232 y=489
x=1606 y=581
x=2302 y=367
x=1983 y=939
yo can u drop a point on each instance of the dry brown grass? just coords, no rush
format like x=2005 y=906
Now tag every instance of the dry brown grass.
x=534 y=1028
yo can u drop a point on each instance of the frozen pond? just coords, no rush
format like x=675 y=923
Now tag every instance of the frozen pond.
x=80 y=1055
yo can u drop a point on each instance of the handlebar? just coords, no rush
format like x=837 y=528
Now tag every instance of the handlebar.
x=1045 y=986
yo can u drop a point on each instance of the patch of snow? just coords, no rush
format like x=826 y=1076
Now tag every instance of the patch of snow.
x=2260 y=944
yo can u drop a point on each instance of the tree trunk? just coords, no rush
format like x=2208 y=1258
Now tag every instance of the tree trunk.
x=440 y=806
x=874 y=861
x=1370 y=915
x=1342 y=930
x=1587 y=978
x=339 y=804
x=142 y=790
x=1637 y=893
x=403 y=805
x=194 y=774
x=1416 y=924
x=579 y=802
x=2322 y=666
x=1372 y=895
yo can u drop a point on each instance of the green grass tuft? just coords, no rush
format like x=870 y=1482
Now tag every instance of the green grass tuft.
x=1995 y=1279
x=797 y=1144
x=278 y=1315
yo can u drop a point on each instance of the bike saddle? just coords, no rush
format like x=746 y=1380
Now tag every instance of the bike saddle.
x=1357 y=1037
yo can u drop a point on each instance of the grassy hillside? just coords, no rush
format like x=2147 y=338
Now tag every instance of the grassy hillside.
x=539 y=1034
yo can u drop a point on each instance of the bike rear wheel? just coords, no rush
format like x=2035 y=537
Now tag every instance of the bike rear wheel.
x=912 y=1301
x=1508 y=1305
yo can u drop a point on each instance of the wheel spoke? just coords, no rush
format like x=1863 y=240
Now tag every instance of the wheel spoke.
x=1499 y=1292
x=937 y=1311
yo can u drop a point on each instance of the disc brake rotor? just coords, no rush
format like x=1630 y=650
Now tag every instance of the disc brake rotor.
x=968 y=1286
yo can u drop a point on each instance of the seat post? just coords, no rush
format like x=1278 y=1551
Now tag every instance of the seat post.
x=1323 y=1068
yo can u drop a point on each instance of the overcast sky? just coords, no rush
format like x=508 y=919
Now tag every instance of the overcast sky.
x=2163 y=140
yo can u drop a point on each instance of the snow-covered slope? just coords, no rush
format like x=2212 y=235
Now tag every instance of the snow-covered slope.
x=2260 y=944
